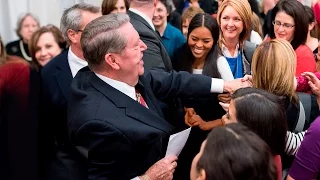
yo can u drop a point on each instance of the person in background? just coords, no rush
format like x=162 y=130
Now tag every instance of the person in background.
x=306 y=164
x=19 y=107
x=171 y=37
x=61 y=160
x=233 y=151
x=186 y=17
x=200 y=55
x=234 y=19
x=45 y=44
x=273 y=59
x=290 y=22
x=26 y=26
x=263 y=113
x=114 y=6
x=312 y=42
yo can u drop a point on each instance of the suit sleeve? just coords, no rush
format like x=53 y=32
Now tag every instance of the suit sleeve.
x=178 y=84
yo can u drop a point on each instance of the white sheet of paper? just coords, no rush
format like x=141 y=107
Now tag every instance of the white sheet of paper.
x=177 y=142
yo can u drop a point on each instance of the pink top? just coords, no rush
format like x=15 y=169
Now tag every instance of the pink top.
x=305 y=60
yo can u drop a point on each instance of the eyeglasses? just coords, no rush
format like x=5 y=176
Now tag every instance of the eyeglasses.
x=284 y=25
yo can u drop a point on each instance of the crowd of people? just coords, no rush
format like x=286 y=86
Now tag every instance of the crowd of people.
x=99 y=97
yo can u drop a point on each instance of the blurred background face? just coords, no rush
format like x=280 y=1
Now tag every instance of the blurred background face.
x=185 y=26
x=47 y=48
x=200 y=42
x=160 y=15
x=120 y=7
x=28 y=27
x=283 y=26
x=231 y=23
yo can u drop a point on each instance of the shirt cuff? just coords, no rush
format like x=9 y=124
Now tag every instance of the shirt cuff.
x=217 y=85
x=136 y=178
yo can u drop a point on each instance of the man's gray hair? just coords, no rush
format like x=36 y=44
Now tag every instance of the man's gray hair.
x=72 y=17
x=102 y=36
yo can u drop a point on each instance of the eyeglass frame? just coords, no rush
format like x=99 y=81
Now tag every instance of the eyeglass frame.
x=284 y=25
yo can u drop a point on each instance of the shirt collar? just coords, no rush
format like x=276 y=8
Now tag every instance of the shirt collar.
x=226 y=53
x=75 y=62
x=144 y=16
x=167 y=33
x=120 y=86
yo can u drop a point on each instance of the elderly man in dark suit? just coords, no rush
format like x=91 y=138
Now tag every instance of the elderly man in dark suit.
x=57 y=76
x=113 y=114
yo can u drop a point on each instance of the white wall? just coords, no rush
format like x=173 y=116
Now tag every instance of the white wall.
x=48 y=12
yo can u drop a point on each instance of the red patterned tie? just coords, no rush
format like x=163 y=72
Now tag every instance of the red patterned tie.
x=140 y=99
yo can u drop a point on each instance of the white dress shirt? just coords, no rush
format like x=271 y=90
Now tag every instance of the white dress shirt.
x=75 y=63
x=226 y=53
x=144 y=16
x=120 y=86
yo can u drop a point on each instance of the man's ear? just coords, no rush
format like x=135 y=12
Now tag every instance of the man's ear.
x=72 y=36
x=111 y=60
x=202 y=175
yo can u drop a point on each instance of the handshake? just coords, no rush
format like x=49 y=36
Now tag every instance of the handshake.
x=232 y=86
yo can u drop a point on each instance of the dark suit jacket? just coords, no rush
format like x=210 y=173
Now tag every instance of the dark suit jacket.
x=156 y=56
x=57 y=77
x=122 y=137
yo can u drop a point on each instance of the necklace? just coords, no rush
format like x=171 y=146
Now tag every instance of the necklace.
x=24 y=54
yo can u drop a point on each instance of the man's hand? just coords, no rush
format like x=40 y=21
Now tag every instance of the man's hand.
x=162 y=170
x=231 y=86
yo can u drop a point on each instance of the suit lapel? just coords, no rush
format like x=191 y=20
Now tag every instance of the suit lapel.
x=64 y=75
x=132 y=108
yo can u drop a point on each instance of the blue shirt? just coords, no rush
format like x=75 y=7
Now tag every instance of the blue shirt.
x=172 y=39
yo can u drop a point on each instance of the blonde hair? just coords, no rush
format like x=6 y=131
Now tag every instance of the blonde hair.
x=274 y=67
x=189 y=13
x=243 y=8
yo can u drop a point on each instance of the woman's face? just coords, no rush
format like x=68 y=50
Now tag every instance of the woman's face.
x=231 y=24
x=230 y=117
x=47 y=48
x=160 y=15
x=194 y=173
x=120 y=7
x=284 y=26
x=28 y=27
x=200 y=42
